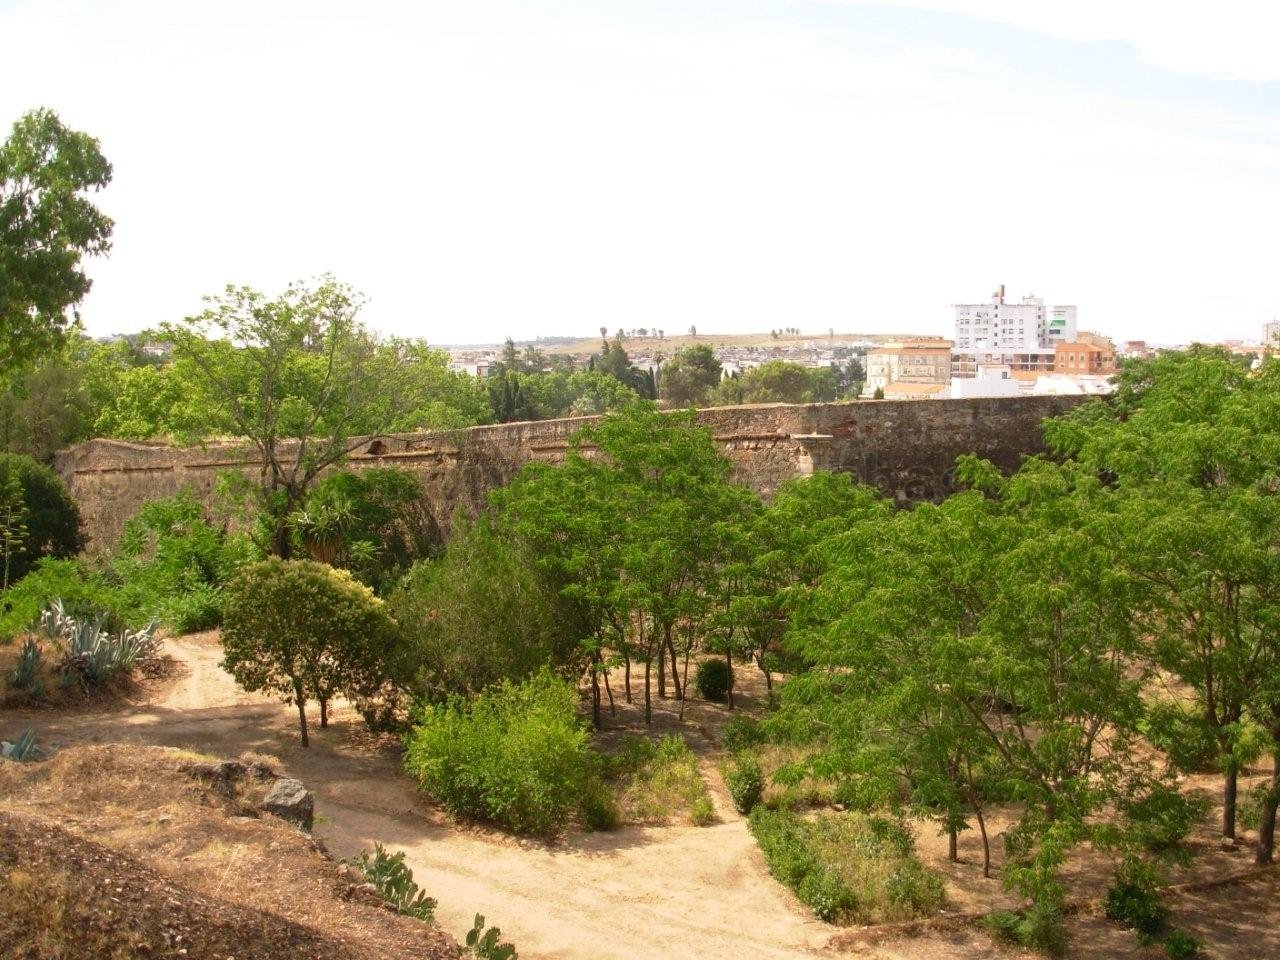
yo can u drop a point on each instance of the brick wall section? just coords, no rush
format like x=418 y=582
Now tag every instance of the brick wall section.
x=906 y=448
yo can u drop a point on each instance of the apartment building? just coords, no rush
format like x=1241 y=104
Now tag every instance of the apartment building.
x=1022 y=336
x=914 y=362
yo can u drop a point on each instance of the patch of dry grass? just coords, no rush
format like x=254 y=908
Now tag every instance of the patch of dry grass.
x=657 y=782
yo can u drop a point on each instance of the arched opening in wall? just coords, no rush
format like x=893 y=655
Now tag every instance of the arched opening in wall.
x=376 y=449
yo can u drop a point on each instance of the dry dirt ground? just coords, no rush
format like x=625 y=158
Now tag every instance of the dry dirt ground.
x=635 y=893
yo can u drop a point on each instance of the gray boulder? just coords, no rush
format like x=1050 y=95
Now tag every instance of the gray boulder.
x=290 y=801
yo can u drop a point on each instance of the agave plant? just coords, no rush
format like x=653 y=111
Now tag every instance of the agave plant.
x=92 y=654
x=26 y=674
x=23 y=749
x=54 y=622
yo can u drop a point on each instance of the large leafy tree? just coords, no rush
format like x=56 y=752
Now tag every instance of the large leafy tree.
x=984 y=640
x=690 y=376
x=1190 y=450
x=47 y=224
x=297 y=377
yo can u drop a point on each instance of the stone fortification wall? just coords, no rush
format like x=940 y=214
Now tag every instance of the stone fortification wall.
x=906 y=448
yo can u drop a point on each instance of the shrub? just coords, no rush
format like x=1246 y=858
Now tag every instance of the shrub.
x=702 y=812
x=371 y=523
x=657 y=779
x=847 y=867
x=744 y=780
x=1134 y=899
x=83 y=593
x=712 y=680
x=1180 y=945
x=49 y=515
x=599 y=808
x=741 y=732
x=172 y=564
x=394 y=882
x=305 y=631
x=1039 y=927
x=480 y=614
x=516 y=755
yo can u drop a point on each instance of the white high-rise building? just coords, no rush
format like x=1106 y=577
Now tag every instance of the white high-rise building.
x=1022 y=336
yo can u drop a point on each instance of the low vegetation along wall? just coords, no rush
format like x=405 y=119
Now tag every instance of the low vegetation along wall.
x=906 y=448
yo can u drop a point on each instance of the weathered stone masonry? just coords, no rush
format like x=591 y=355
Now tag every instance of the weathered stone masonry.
x=906 y=448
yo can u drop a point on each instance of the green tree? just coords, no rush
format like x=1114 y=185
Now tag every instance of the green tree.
x=298 y=377
x=987 y=639
x=689 y=377
x=777 y=381
x=41 y=506
x=1190 y=449
x=304 y=631
x=481 y=613
x=46 y=226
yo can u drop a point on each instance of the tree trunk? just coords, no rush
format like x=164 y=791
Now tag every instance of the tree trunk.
x=1267 y=819
x=953 y=843
x=648 y=702
x=302 y=712
x=728 y=658
x=675 y=670
x=1230 y=787
x=324 y=713
x=685 y=684
x=281 y=542
x=626 y=674
x=662 y=670
x=595 y=690
x=986 y=843
x=609 y=690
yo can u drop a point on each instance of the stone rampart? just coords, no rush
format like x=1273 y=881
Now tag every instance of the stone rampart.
x=907 y=448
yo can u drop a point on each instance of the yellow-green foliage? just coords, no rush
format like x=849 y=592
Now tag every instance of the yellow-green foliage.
x=657 y=781
x=848 y=867
x=304 y=630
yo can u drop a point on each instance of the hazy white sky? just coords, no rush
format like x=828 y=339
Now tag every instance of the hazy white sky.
x=483 y=168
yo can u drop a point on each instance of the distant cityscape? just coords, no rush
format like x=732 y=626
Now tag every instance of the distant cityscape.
x=999 y=348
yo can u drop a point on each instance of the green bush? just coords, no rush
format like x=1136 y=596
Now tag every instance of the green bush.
x=741 y=732
x=599 y=807
x=847 y=867
x=172 y=564
x=1039 y=927
x=1134 y=899
x=1180 y=945
x=48 y=514
x=702 y=812
x=712 y=680
x=515 y=755
x=480 y=614
x=84 y=593
x=306 y=631
x=744 y=779
x=1162 y=817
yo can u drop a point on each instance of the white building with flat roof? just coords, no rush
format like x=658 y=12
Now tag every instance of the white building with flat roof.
x=1023 y=335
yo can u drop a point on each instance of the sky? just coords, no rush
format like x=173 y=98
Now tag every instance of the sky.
x=492 y=168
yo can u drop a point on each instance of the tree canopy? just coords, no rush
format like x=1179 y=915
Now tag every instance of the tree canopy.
x=47 y=225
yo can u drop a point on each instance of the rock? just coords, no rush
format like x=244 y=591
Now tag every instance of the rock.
x=290 y=801
x=1228 y=845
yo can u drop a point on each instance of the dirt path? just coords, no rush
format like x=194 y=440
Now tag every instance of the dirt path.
x=634 y=893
